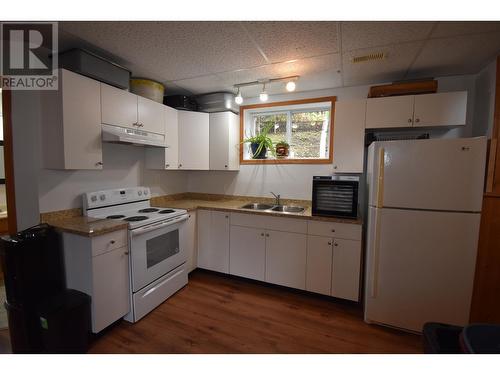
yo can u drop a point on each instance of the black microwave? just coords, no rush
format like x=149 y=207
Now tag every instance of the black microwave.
x=335 y=196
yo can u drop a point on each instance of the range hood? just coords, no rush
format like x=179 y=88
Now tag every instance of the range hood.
x=117 y=134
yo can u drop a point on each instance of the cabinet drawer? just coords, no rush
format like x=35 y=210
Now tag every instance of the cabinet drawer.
x=333 y=229
x=282 y=224
x=110 y=241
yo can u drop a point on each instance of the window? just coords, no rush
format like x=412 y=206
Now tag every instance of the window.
x=304 y=125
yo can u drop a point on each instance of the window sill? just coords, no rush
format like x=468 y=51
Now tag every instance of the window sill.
x=286 y=161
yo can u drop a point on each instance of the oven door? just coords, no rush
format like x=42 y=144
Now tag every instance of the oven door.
x=336 y=198
x=155 y=250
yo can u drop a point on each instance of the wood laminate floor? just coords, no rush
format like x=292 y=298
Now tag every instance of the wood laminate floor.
x=222 y=314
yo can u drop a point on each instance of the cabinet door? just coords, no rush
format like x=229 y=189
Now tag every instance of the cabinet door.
x=81 y=122
x=319 y=265
x=346 y=269
x=171 y=138
x=391 y=112
x=151 y=115
x=443 y=109
x=247 y=252
x=193 y=140
x=286 y=259
x=110 y=288
x=349 y=136
x=188 y=241
x=118 y=107
x=224 y=141
x=213 y=240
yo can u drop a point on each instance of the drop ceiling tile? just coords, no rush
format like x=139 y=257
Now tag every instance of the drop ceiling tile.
x=171 y=50
x=453 y=28
x=356 y=35
x=203 y=84
x=281 y=41
x=392 y=68
x=456 y=55
x=300 y=67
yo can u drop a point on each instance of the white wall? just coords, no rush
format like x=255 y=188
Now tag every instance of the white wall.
x=484 y=105
x=295 y=181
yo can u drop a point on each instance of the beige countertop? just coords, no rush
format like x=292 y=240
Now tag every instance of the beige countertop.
x=86 y=226
x=234 y=205
x=72 y=220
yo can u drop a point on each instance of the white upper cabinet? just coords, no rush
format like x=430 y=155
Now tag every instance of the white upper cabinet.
x=166 y=158
x=224 y=141
x=151 y=115
x=118 y=107
x=390 y=112
x=443 y=109
x=349 y=136
x=193 y=140
x=71 y=129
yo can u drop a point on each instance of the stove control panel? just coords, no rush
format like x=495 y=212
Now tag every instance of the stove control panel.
x=102 y=198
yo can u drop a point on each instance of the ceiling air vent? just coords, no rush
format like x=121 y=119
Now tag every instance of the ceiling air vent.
x=370 y=57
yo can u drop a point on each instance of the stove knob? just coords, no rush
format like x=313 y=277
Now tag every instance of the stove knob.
x=93 y=198
x=145 y=192
x=139 y=192
x=102 y=197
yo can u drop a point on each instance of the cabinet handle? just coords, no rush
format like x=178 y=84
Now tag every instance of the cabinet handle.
x=334 y=167
x=333 y=230
x=262 y=234
x=140 y=125
x=267 y=234
x=417 y=120
x=98 y=163
x=329 y=242
x=125 y=253
x=167 y=165
x=225 y=166
x=227 y=216
x=180 y=165
x=335 y=244
x=112 y=242
x=409 y=121
x=135 y=124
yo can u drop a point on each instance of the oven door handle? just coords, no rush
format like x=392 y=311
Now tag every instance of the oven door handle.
x=162 y=224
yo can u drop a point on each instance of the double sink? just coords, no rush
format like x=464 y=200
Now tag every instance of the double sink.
x=273 y=208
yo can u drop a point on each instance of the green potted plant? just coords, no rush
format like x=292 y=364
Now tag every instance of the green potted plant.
x=282 y=149
x=260 y=143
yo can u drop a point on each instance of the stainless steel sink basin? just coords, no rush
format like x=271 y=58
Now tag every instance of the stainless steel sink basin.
x=257 y=206
x=294 y=209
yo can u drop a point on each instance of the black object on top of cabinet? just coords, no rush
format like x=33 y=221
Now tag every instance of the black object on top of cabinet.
x=182 y=102
x=32 y=261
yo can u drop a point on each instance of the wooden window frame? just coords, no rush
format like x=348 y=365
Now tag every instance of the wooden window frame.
x=331 y=99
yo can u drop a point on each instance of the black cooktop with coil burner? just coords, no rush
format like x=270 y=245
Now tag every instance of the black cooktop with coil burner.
x=150 y=209
x=168 y=211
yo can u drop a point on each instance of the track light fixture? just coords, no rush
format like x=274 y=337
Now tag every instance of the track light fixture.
x=264 y=96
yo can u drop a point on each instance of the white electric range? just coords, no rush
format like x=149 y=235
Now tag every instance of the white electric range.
x=157 y=253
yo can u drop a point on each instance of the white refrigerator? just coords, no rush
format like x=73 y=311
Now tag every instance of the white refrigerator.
x=424 y=209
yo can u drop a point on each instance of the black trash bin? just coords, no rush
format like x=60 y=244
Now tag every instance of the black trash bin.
x=441 y=338
x=32 y=261
x=64 y=321
x=481 y=339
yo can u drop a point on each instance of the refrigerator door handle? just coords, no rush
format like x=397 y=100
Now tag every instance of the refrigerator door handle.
x=375 y=260
x=380 y=179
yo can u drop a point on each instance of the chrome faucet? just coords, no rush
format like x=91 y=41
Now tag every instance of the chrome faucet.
x=277 y=196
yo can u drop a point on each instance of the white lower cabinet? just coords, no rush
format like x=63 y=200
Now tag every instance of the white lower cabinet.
x=286 y=259
x=346 y=269
x=188 y=241
x=247 y=252
x=99 y=267
x=318 y=256
x=213 y=240
x=319 y=265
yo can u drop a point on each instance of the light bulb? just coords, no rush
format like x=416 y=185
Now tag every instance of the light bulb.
x=238 y=99
x=290 y=86
x=263 y=95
